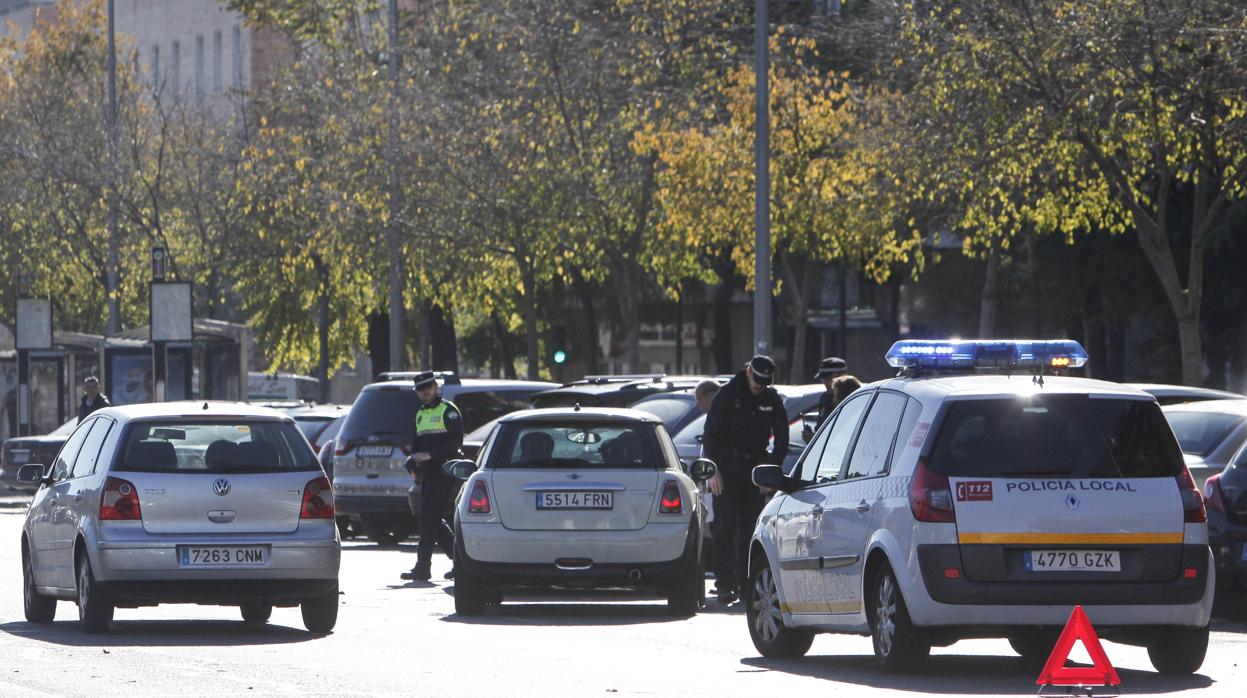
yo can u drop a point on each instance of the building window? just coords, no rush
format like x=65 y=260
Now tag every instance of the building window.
x=156 y=67
x=177 y=67
x=199 y=65
x=237 y=57
x=217 y=78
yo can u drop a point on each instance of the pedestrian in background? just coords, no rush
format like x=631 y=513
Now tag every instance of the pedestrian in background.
x=744 y=416
x=844 y=386
x=438 y=438
x=704 y=394
x=829 y=369
x=92 y=398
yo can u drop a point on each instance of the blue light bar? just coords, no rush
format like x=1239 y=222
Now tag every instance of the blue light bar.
x=971 y=354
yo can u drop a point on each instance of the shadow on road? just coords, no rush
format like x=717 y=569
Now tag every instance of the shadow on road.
x=959 y=675
x=555 y=607
x=160 y=633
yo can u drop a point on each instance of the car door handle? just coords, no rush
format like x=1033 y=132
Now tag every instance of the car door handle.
x=863 y=507
x=817 y=510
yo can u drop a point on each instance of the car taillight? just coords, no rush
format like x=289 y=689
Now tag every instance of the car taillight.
x=1212 y=493
x=670 y=502
x=930 y=497
x=341 y=447
x=478 y=502
x=119 y=501
x=317 y=499
x=1192 y=503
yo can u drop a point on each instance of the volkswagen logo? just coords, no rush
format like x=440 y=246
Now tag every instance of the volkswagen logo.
x=221 y=487
x=1071 y=502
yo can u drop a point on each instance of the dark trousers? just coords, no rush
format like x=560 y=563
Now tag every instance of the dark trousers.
x=435 y=492
x=735 y=515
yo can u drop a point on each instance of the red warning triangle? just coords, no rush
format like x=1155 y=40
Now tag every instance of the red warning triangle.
x=1055 y=673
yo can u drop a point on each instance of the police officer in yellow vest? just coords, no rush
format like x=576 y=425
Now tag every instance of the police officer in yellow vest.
x=438 y=438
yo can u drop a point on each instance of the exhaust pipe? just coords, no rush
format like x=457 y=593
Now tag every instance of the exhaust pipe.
x=634 y=574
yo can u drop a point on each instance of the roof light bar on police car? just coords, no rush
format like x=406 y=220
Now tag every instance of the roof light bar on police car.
x=970 y=354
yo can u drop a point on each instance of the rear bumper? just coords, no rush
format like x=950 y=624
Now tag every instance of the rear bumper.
x=153 y=564
x=934 y=559
x=532 y=558
x=367 y=507
x=1122 y=607
x=226 y=591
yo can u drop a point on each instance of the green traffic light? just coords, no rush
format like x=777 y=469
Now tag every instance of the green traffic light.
x=560 y=357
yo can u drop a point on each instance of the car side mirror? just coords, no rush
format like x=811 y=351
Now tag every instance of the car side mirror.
x=771 y=477
x=460 y=469
x=702 y=469
x=31 y=472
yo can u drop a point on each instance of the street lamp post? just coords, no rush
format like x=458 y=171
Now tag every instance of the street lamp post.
x=395 y=203
x=762 y=187
x=114 y=302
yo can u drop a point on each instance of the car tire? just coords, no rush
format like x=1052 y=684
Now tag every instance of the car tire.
x=899 y=646
x=688 y=593
x=470 y=594
x=320 y=614
x=1179 y=651
x=344 y=527
x=385 y=534
x=38 y=608
x=1033 y=648
x=95 y=610
x=770 y=635
x=256 y=613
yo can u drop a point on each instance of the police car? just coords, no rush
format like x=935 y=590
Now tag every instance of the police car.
x=979 y=494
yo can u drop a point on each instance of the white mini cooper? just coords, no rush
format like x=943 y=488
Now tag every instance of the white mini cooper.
x=182 y=502
x=579 y=498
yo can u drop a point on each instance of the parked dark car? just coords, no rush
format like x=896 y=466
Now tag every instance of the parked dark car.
x=612 y=391
x=1177 y=394
x=313 y=421
x=1210 y=432
x=676 y=409
x=20 y=450
x=1225 y=496
x=370 y=484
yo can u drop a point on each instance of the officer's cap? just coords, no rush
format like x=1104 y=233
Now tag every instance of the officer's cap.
x=763 y=368
x=831 y=367
x=424 y=378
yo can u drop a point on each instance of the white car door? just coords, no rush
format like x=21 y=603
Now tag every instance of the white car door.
x=848 y=518
x=804 y=548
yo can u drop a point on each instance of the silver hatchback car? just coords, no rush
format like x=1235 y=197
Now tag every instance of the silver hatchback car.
x=182 y=502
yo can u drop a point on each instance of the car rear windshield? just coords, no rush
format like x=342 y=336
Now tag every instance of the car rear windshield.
x=242 y=446
x=585 y=445
x=1198 y=432
x=1072 y=436
x=668 y=409
x=311 y=426
x=388 y=413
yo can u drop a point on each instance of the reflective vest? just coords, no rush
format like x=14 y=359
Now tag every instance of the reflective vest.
x=432 y=420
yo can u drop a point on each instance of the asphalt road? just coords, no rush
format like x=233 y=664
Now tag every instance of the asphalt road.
x=397 y=638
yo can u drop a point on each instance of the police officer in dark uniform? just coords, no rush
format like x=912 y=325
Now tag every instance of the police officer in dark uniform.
x=829 y=369
x=438 y=438
x=92 y=398
x=745 y=415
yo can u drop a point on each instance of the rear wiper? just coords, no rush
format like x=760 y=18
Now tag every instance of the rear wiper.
x=1042 y=473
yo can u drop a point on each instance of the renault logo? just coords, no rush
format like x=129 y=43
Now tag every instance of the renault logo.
x=221 y=487
x=1071 y=502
